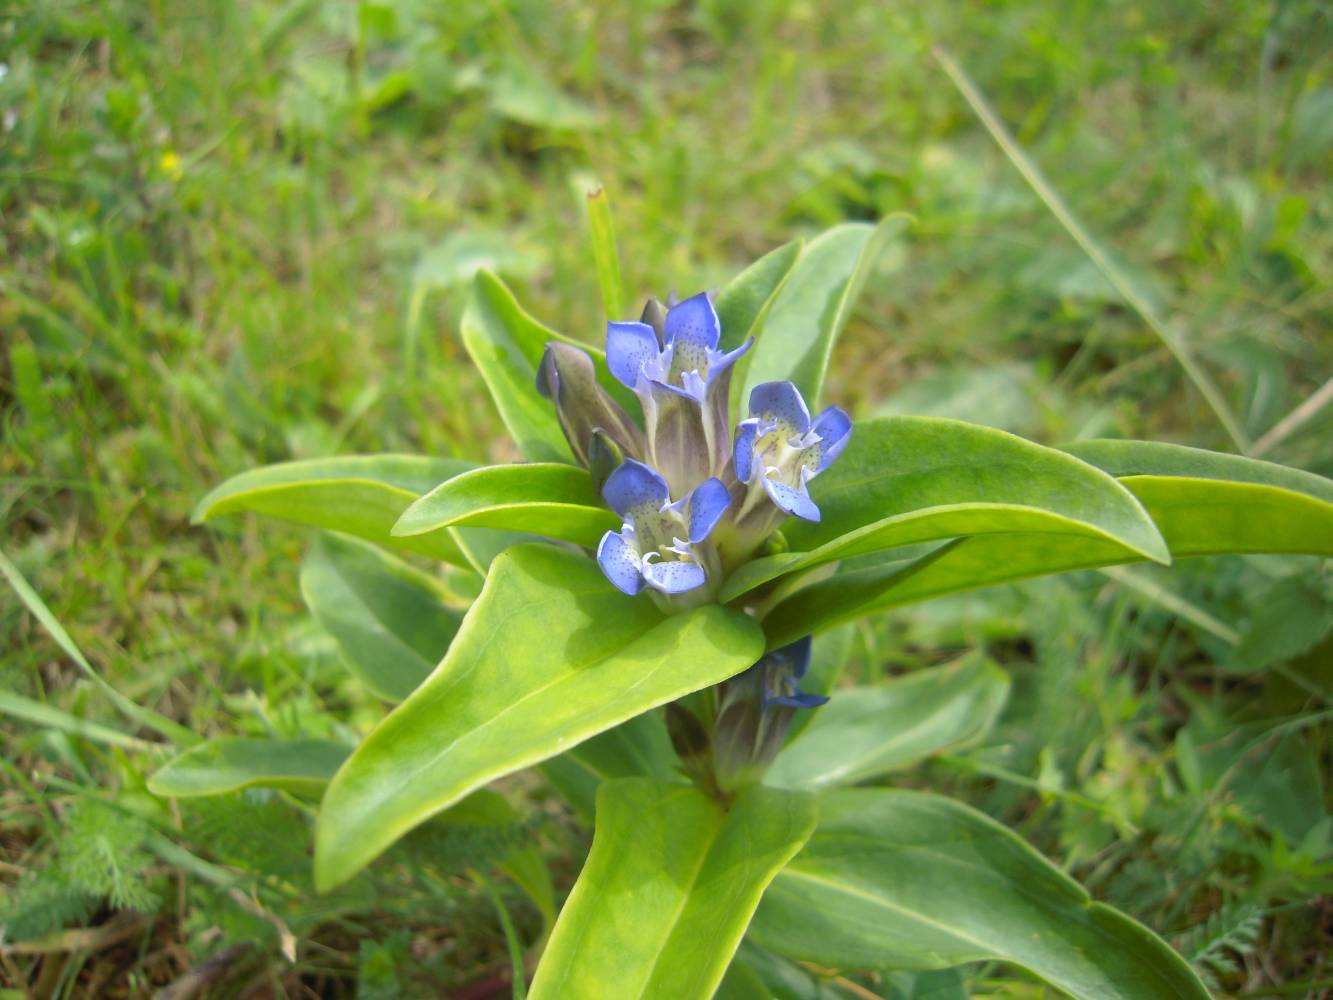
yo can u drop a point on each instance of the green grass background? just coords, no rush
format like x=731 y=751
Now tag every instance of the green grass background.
x=235 y=234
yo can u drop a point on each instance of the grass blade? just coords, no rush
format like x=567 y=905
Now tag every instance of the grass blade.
x=1102 y=260
x=605 y=255
x=143 y=716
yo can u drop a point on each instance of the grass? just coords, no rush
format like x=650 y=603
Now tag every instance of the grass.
x=236 y=234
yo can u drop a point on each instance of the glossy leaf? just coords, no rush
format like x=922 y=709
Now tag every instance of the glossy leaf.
x=742 y=303
x=548 y=656
x=361 y=495
x=390 y=621
x=1208 y=503
x=908 y=880
x=909 y=480
x=506 y=344
x=1203 y=503
x=668 y=890
x=638 y=748
x=227 y=765
x=756 y=974
x=866 y=732
x=543 y=498
x=814 y=303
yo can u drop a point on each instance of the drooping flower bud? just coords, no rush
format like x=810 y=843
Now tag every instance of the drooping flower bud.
x=567 y=377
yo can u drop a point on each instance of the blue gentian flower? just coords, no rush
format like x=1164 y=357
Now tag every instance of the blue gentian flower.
x=780 y=449
x=683 y=381
x=661 y=544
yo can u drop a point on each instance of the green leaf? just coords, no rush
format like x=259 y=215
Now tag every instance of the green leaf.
x=548 y=656
x=813 y=304
x=227 y=765
x=1208 y=503
x=390 y=621
x=361 y=495
x=863 y=733
x=544 y=498
x=506 y=344
x=668 y=889
x=741 y=305
x=638 y=748
x=908 y=880
x=756 y=974
x=49 y=717
x=909 y=480
x=1203 y=503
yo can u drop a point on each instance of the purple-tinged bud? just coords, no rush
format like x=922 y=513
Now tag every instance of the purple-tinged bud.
x=567 y=377
x=754 y=712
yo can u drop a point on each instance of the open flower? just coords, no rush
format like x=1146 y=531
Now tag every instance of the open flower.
x=780 y=449
x=661 y=544
x=672 y=363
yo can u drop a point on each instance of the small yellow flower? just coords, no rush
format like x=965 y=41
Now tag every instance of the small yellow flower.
x=170 y=164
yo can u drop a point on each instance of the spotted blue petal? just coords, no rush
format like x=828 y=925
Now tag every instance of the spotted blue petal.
x=707 y=503
x=780 y=403
x=693 y=322
x=743 y=456
x=634 y=488
x=620 y=562
x=793 y=499
x=673 y=577
x=834 y=429
x=630 y=346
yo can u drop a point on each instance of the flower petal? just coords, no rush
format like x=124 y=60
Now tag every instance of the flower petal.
x=674 y=577
x=693 y=322
x=780 y=403
x=629 y=346
x=800 y=699
x=620 y=562
x=793 y=499
x=743 y=453
x=794 y=658
x=834 y=429
x=708 y=502
x=635 y=488
x=719 y=362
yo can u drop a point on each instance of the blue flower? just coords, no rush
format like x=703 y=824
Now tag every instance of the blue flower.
x=660 y=545
x=780 y=449
x=683 y=381
x=781 y=672
x=754 y=712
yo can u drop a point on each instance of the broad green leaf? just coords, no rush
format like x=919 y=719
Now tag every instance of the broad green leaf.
x=866 y=732
x=229 y=764
x=542 y=498
x=506 y=344
x=813 y=304
x=909 y=480
x=1203 y=503
x=1287 y=619
x=1208 y=503
x=909 y=880
x=548 y=656
x=361 y=495
x=740 y=306
x=638 y=748
x=668 y=890
x=390 y=621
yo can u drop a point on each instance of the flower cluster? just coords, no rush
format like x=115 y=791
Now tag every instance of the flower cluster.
x=696 y=499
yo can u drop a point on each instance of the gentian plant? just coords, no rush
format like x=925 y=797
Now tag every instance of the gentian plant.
x=657 y=598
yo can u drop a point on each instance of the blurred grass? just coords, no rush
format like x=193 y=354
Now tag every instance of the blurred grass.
x=234 y=234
